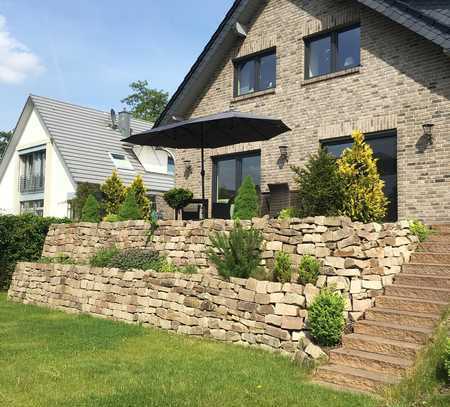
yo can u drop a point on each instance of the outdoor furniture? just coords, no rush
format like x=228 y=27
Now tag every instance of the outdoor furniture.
x=214 y=131
x=195 y=209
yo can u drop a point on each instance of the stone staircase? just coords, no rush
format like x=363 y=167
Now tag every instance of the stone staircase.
x=384 y=345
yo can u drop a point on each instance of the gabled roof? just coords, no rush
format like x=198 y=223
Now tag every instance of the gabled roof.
x=428 y=18
x=84 y=138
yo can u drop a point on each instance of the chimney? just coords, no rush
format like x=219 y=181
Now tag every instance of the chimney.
x=124 y=123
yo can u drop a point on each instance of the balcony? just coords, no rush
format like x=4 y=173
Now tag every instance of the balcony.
x=31 y=184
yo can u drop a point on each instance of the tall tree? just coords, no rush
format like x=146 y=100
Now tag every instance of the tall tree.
x=5 y=136
x=146 y=103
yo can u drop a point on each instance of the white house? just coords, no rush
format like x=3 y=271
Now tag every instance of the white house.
x=57 y=145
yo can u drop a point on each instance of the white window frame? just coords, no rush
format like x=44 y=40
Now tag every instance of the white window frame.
x=121 y=164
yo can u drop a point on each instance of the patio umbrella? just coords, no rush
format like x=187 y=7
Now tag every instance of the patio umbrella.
x=213 y=131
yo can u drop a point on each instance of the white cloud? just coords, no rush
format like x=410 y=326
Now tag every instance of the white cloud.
x=17 y=62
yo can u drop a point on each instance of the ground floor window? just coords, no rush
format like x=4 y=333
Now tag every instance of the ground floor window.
x=36 y=207
x=384 y=146
x=228 y=174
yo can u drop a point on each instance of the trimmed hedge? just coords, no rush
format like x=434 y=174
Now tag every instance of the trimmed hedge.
x=21 y=239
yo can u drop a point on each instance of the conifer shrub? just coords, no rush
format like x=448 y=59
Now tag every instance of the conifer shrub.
x=282 y=269
x=91 y=210
x=419 y=229
x=363 y=198
x=140 y=193
x=236 y=254
x=84 y=189
x=129 y=210
x=114 y=193
x=178 y=198
x=246 y=204
x=326 y=318
x=320 y=186
x=111 y=218
x=308 y=270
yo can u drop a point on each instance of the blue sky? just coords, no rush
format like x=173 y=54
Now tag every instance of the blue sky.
x=89 y=51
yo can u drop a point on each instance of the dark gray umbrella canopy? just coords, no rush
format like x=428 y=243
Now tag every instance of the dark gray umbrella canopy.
x=214 y=131
x=217 y=130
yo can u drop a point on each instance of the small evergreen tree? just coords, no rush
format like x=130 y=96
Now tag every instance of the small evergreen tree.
x=84 y=189
x=114 y=193
x=246 y=204
x=91 y=210
x=130 y=210
x=140 y=193
x=319 y=185
x=364 y=199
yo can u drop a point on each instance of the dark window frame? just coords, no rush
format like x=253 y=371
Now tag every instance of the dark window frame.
x=333 y=34
x=391 y=133
x=256 y=56
x=238 y=157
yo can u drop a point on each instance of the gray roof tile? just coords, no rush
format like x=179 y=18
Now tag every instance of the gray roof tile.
x=85 y=138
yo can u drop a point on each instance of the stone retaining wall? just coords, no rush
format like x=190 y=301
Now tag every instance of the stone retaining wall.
x=251 y=312
x=357 y=259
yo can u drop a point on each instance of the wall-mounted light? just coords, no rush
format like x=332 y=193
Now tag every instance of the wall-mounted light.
x=428 y=132
x=187 y=167
x=284 y=153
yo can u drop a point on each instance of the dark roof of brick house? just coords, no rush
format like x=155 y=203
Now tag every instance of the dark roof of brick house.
x=428 y=18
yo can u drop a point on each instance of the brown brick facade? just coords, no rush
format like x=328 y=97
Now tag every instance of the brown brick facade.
x=403 y=82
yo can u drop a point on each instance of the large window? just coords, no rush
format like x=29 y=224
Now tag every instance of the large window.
x=332 y=52
x=255 y=73
x=120 y=161
x=229 y=172
x=384 y=148
x=32 y=172
x=170 y=165
x=36 y=207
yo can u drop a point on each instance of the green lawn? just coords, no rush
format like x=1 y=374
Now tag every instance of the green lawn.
x=50 y=358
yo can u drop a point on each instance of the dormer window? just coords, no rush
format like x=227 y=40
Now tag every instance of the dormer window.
x=121 y=162
x=332 y=52
x=255 y=73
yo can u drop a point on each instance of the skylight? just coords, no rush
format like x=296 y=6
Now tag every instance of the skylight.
x=120 y=161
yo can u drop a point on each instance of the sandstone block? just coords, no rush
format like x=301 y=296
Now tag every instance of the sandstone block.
x=277 y=333
x=310 y=293
x=336 y=262
x=285 y=309
x=362 y=305
x=246 y=295
x=315 y=352
x=273 y=320
x=296 y=299
x=292 y=323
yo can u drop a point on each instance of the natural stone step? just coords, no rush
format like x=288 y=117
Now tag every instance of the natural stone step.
x=410 y=304
x=433 y=258
x=408 y=318
x=441 y=237
x=393 y=331
x=435 y=247
x=354 y=378
x=433 y=293
x=441 y=228
x=382 y=346
x=423 y=280
x=426 y=268
x=372 y=362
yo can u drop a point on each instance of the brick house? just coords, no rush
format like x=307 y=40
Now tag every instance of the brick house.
x=326 y=67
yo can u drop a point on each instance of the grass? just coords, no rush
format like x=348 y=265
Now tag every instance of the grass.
x=49 y=358
x=426 y=384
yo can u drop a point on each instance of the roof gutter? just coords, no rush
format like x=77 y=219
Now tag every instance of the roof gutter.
x=199 y=60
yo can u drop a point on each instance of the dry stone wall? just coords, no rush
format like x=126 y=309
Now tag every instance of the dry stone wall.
x=250 y=312
x=357 y=259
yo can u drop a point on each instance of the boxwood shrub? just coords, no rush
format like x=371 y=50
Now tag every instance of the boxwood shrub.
x=21 y=239
x=326 y=318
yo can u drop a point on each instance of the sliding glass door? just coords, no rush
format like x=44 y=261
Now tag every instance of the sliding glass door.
x=228 y=173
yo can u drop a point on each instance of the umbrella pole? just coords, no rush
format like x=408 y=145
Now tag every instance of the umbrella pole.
x=202 y=173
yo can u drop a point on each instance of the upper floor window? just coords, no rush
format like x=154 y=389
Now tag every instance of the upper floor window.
x=120 y=161
x=32 y=172
x=35 y=207
x=332 y=52
x=255 y=73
